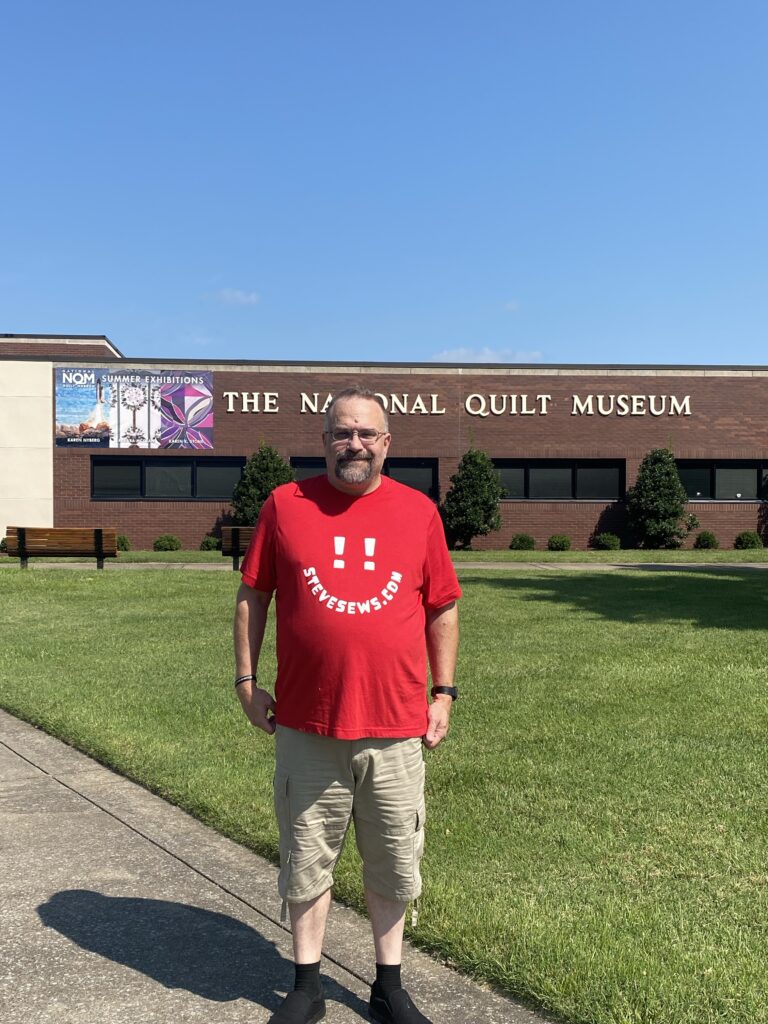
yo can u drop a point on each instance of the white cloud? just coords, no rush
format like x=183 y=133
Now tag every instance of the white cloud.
x=486 y=355
x=512 y=306
x=235 y=297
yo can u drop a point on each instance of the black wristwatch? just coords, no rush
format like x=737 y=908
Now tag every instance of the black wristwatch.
x=451 y=691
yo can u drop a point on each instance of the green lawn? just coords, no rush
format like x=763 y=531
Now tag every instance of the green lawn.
x=628 y=557
x=623 y=557
x=597 y=838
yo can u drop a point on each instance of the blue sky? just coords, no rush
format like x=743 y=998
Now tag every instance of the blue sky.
x=551 y=181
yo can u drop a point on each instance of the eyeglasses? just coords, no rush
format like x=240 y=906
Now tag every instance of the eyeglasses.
x=366 y=435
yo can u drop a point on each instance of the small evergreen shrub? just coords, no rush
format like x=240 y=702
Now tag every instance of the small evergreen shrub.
x=606 y=542
x=265 y=470
x=167 y=542
x=471 y=506
x=3 y=545
x=210 y=543
x=559 y=542
x=747 y=539
x=123 y=543
x=656 y=504
x=706 y=539
x=522 y=542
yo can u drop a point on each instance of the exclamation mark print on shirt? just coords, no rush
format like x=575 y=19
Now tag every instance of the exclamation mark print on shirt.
x=338 y=548
x=370 y=545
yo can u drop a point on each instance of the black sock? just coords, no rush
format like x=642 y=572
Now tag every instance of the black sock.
x=308 y=979
x=388 y=977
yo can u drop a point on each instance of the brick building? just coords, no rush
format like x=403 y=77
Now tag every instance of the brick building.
x=89 y=437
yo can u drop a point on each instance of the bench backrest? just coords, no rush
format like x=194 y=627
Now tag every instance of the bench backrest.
x=235 y=539
x=42 y=540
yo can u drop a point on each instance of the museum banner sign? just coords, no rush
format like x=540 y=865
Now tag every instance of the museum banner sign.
x=99 y=408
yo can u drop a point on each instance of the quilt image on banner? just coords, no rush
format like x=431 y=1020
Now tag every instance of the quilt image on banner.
x=134 y=408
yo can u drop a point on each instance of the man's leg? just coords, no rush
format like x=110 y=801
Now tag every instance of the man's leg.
x=313 y=808
x=389 y=822
x=308 y=928
x=387 y=922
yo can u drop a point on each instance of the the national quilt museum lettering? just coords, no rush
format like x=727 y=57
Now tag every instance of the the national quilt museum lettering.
x=267 y=401
x=479 y=405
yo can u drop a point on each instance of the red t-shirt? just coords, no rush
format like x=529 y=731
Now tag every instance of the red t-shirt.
x=353 y=577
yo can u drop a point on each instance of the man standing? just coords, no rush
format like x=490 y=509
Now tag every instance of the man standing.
x=365 y=588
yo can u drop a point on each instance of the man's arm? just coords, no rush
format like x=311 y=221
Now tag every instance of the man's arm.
x=442 y=631
x=250 y=621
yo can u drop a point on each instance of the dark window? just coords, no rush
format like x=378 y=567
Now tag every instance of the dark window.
x=118 y=478
x=561 y=479
x=217 y=479
x=159 y=478
x=421 y=474
x=697 y=480
x=165 y=478
x=594 y=482
x=735 y=482
x=512 y=480
x=550 y=482
x=723 y=480
x=307 y=465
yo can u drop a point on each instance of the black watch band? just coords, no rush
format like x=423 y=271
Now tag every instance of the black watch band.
x=451 y=691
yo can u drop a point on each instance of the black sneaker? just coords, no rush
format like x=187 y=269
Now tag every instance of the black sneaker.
x=396 y=1008
x=298 y=1008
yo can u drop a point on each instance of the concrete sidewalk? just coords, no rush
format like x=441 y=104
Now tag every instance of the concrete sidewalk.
x=118 y=907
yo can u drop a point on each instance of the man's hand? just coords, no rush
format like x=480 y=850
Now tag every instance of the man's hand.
x=257 y=704
x=439 y=715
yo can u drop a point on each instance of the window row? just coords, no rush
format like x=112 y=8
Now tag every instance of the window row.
x=211 y=479
x=564 y=479
x=214 y=479
x=722 y=480
x=164 y=478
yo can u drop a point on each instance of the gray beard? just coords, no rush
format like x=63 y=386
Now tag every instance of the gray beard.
x=354 y=471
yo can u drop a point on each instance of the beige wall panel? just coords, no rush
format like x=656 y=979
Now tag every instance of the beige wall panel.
x=21 y=512
x=26 y=380
x=26 y=444
x=26 y=422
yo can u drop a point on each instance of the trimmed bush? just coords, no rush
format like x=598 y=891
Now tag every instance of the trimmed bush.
x=706 y=539
x=471 y=506
x=656 y=504
x=522 y=542
x=210 y=543
x=123 y=543
x=265 y=470
x=167 y=542
x=559 y=542
x=747 y=539
x=606 y=542
x=3 y=545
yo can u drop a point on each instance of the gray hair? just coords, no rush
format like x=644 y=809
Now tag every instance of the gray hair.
x=355 y=391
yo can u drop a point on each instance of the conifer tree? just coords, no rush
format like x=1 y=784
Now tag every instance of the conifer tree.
x=265 y=470
x=656 y=504
x=471 y=507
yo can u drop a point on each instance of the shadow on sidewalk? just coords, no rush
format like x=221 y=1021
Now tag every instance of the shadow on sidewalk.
x=212 y=955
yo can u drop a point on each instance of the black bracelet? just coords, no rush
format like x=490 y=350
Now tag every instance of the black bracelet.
x=244 y=679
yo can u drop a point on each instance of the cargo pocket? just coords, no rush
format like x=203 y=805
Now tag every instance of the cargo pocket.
x=418 y=850
x=281 y=785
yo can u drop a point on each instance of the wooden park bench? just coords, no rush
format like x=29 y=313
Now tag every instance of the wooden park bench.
x=235 y=541
x=36 y=541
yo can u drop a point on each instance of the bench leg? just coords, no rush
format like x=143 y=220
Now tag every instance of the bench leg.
x=24 y=562
x=235 y=560
x=99 y=563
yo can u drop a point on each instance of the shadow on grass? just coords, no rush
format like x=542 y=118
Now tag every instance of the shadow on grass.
x=209 y=954
x=658 y=594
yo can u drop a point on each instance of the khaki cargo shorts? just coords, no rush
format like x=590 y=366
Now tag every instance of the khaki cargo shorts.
x=320 y=784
